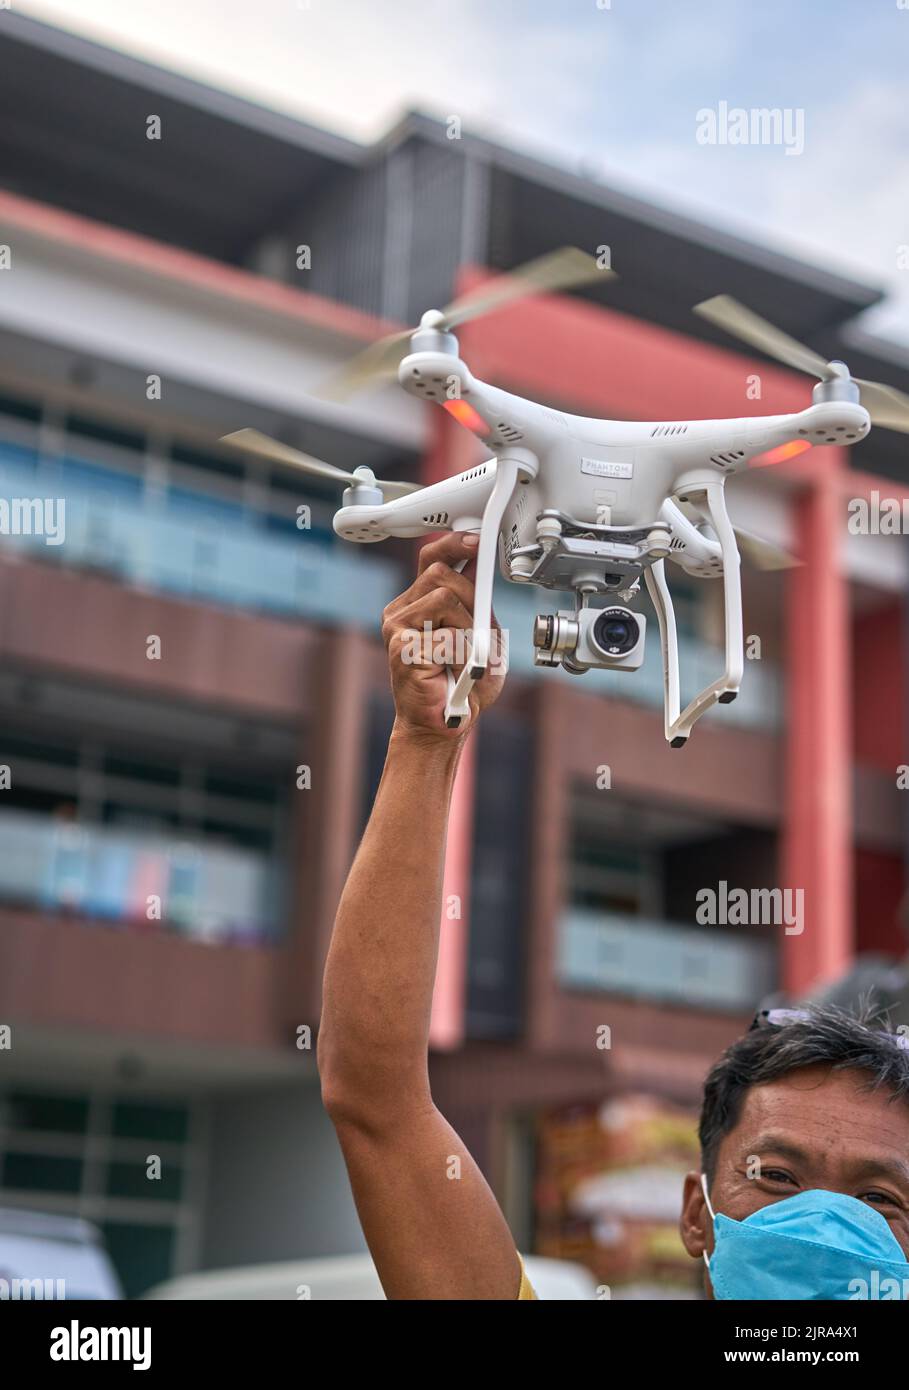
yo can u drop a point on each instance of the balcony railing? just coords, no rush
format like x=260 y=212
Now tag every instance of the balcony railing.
x=642 y=958
x=206 y=893
x=199 y=547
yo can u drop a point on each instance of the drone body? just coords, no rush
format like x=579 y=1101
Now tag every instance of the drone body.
x=610 y=472
x=586 y=506
x=590 y=506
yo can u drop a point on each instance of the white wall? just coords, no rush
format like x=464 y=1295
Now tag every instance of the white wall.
x=73 y=297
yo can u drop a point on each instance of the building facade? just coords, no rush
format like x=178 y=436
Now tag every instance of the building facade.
x=193 y=691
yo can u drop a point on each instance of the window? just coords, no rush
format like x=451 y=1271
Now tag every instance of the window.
x=169 y=1124
x=143 y=1255
x=610 y=876
x=87 y=1154
x=102 y=433
x=36 y=1172
x=29 y=1110
x=93 y=829
x=20 y=409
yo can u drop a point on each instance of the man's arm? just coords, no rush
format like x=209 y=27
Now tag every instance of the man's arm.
x=431 y=1222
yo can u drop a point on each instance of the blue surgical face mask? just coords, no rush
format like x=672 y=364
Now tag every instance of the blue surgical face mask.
x=814 y=1245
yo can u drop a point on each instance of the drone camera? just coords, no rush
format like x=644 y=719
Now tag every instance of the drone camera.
x=608 y=638
x=616 y=633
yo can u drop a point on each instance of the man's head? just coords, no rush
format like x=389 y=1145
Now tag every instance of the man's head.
x=818 y=1102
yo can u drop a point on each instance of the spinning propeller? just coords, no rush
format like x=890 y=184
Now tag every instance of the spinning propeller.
x=763 y=555
x=254 y=442
x=759 y=553
x=564 y=269
x=885 y=404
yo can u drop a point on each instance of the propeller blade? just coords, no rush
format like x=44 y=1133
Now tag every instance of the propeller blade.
x=393 y=487
x=373 y=363
x=764 y=555
x=263 y=446
x=564 y=269
x=885 y=404
x=727 y=313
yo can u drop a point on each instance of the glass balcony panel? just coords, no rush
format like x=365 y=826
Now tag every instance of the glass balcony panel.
x=198 y=546
x=210 y=893
x=645 y=958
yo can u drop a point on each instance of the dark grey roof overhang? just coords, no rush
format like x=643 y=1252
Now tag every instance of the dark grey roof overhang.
x=667 y=260
x=73 y=133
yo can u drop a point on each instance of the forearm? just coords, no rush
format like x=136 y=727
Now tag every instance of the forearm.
x=430 y=1219
x=379 y=976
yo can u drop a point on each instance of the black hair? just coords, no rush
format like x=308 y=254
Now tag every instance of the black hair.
x=826 y=1035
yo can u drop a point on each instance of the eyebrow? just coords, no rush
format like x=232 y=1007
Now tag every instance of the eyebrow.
x=895 y=1168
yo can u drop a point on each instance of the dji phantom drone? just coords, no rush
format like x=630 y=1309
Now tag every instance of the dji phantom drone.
x=588 y=506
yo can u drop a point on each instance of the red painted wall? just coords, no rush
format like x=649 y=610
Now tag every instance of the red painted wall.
x=880 y=884
x=879 y=688
x=595 y=360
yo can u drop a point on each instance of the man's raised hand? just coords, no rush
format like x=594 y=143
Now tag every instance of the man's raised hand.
x=427 y=628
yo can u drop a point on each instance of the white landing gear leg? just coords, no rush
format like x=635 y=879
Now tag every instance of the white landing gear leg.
x=708 y=496
x=655 y=579
x=509 y=466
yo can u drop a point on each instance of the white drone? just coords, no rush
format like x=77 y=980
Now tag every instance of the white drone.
x=583 y=505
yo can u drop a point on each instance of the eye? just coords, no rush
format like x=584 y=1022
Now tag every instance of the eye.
x=779 y=1175
x=879 y=1199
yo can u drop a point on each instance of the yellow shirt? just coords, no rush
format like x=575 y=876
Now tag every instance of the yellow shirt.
x=526 y=1289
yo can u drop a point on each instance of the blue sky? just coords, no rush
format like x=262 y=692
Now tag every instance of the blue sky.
x=613 y=89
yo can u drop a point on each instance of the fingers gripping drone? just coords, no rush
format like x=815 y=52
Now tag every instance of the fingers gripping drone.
x=585 y=506
x=508 y=468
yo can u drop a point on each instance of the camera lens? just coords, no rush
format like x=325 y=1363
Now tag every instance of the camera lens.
x=616 y=631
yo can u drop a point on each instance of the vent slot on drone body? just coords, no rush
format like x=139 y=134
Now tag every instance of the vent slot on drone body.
x=660 y=431
x=728 y=459
x=479 y=472
x=514 y=436
x=428 y=384
x=435 y=519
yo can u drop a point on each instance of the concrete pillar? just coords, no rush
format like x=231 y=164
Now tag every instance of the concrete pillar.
x=817 y=820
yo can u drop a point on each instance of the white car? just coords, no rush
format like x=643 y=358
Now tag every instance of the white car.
x=43 y=1256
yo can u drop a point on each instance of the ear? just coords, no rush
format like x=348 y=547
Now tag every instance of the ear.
x=695 y=1226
